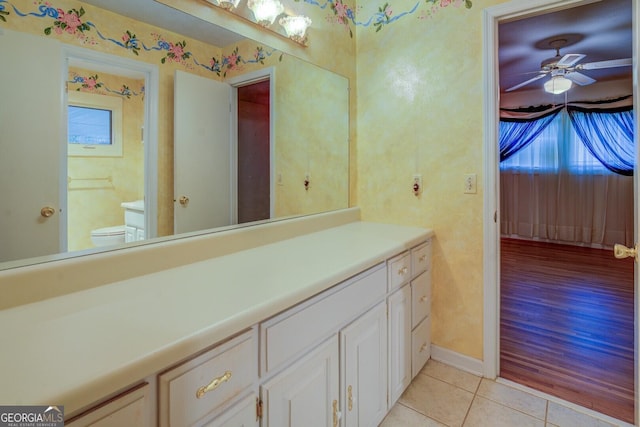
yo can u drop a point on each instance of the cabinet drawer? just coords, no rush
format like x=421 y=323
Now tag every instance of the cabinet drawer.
x=128 y=409
x=420 y=298
x=217 y=377
x=134 y=219
x=242 y=414
x=399 y=270
x=421 y=346
x=421 y=258
x=289 y=334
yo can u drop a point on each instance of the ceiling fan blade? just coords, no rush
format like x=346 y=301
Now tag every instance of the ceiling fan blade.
x=518 y=86
x=579 y=78
x=623 y=62
x=569 y=59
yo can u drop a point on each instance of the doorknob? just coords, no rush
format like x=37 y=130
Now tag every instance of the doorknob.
x=47 y=211
x=621 y=251
x=184 y=201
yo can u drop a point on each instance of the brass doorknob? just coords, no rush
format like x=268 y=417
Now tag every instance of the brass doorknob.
x=184 y=201
x=621 y=251
x=47 y=211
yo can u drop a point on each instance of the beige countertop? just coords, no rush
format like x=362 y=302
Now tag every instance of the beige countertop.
x=77 y=348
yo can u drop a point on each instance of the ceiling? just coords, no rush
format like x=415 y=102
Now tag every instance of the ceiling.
x=163 y=16
x=600 y=30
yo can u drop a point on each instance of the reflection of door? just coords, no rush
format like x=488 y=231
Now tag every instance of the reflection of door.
x=253 y=152
x=202 y=170
x=30 y=149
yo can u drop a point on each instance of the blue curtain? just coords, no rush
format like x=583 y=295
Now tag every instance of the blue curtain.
x=517 y=134
x=608 y=135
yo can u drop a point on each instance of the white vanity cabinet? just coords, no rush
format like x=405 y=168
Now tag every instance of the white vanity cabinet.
x=363 y=362
x=399 y=306
x=421 y=306
x=132 y=408
x=306 y=393
x=133 y=221
x=204 y=389
x=344 y=374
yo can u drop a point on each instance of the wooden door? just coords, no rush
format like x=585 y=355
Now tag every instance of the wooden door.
x=364 y=369
x=202 y=156
x=305 y=394
x=31 y=147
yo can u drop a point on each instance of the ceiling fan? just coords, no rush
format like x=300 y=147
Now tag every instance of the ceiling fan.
x=564 y=69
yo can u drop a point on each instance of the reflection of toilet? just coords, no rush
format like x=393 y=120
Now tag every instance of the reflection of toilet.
x=108 y=236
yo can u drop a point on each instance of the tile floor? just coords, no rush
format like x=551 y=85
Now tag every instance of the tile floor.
x=442 y=396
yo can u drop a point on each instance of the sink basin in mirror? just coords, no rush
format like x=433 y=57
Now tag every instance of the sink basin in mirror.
x=136 y=61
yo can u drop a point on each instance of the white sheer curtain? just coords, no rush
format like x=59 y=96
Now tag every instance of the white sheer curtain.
x=555 y=190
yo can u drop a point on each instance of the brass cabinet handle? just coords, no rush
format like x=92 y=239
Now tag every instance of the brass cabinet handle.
x=47 y=211
x=403 y=271
x=214 y=384
x=184 y=201
x=335 y=413
x=424 y=298
x=423 y=348
x=422 y=258
x=350 y=397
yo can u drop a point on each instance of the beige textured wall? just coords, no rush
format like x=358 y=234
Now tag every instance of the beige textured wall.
x=419 y=92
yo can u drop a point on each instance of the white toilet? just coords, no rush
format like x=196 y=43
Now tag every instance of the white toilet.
x=108 y=236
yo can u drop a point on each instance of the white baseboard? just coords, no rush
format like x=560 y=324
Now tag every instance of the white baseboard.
x=457 y=360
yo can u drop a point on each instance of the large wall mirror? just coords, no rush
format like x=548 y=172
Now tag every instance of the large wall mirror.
x=212 y=129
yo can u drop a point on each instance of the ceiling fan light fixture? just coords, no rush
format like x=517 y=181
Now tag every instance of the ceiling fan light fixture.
x=557 y=85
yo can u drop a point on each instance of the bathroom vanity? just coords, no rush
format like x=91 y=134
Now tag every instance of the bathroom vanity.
x=322 y=320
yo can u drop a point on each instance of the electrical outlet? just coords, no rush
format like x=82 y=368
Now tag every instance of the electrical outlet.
x=417 y=184
x=470 y=183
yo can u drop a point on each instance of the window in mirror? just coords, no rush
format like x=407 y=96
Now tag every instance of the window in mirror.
x=94 y=125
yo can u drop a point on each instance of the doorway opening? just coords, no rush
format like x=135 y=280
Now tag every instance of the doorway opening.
x=254 y=152
x=110 y=190
x=505 y=280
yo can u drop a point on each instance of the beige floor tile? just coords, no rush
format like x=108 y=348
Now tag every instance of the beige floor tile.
x=401 y=416
x=487 y=413
x=438 y=400
x=566 y=417
x=451 y=375
x=516 y=399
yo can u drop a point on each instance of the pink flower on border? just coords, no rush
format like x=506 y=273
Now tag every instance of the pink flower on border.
x=445 y=3
x=177 y=51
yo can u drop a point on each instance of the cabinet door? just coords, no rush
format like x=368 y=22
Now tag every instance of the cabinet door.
x=306 y=393
x=364 y=369
x=399 y=304
x=242 y=414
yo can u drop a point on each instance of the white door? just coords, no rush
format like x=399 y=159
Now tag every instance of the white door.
x=399 y=342
x=31 y=158
x=202 y=153
x=364 y=369
x=305 y=394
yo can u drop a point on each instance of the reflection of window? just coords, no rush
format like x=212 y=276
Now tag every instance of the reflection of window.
x=94 y=125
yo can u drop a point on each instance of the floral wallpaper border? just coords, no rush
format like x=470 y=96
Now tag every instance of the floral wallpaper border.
x=73 y=22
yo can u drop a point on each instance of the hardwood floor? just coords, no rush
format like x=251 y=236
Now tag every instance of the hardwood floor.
x=567 y=324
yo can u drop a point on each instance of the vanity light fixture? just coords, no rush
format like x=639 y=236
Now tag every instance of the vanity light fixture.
x=265 y=11
x=557 y=85
x=295 y=27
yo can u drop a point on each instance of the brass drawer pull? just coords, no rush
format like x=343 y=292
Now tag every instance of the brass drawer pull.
x=423 y=348
x=350 y=394
x=424 y=298
x=403 y=271
x=214 y=384
x=422 y=258
x=335 y=413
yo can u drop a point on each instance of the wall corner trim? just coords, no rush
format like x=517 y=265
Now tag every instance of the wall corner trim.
x=457 y=360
